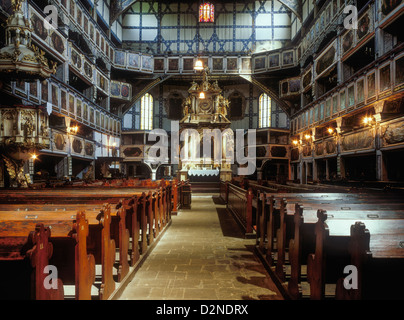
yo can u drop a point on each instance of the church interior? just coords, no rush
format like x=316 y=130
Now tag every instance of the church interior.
x=201 y=150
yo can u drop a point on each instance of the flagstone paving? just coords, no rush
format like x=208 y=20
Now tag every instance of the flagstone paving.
x=202 y=256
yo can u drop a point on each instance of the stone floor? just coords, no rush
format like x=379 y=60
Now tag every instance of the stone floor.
x=202 y=256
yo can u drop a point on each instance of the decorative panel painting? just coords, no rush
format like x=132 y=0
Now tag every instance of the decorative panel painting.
x=273 y=61
x=89 y=149
x=360 y=94
x=387 y=6
x=173 y=65
x=290 y=86
x=187 y=64
x=335 y=108
x=399 y=73
x=50 y=36
x=76 y=58
x=88 y=70
x=365 y=25
x=347 y=41
x=159 y=64
x=102 y=82
x=44 y=90
x=38 y=26
x=71 y=104
x=371 y=83
x=392 y=134
x=259 y=63
x=217 y=64
x=33 y=91
x=133 y=60
x=120 y=58
x=384 y=78
x=147 y=63
x=58 y=42
x=357 y=141
x=85 y=112
x=307 y=79
x=121 y=90
x=55 y=97
x=59 y=142
x=326 y=60
x=246 y=65
x=232 y=64
x=287 y=58
x=351 y=96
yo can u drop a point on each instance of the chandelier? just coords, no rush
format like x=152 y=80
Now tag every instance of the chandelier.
x=19 y=59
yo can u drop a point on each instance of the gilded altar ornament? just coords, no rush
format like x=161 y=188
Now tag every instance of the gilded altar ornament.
x=16 y=171
x=19 y=60
x=205 y=102
x=204 y=113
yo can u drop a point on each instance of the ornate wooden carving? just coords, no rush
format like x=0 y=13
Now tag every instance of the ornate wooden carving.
x=316 y=261
x=123 y=244
x=85 y=263
x=108 y=254
x=39 y=255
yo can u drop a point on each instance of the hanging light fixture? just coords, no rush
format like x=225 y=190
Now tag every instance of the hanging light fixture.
x=198 y=65
x=19 y=59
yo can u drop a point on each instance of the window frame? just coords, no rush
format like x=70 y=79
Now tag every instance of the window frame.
x=264 y=111
x=146 y=112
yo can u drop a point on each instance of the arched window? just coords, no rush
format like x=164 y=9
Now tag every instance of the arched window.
x=206 y=12
x=146 y=112
x=264 y=120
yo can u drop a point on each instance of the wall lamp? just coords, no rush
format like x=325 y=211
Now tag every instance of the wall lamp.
x=367 y=120
x=73 y=130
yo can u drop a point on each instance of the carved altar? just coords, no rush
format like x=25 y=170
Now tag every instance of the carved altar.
x=204 y=123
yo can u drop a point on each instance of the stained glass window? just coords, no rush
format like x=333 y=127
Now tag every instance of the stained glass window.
x=264 y=111
x=146 y=112
x=206 y=12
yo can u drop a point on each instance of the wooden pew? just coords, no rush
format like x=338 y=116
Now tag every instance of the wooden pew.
x=239 y=203
x=15 y=240
x=224 y=192
x=287 y=212
x=367 y=244
x=99 y=238
x=96 y=216
x=266 y=227
x=147 y=214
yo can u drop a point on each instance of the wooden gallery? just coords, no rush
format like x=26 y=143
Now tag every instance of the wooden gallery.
x=201 y=150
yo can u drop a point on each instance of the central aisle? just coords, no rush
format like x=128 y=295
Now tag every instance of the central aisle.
x=202 y=255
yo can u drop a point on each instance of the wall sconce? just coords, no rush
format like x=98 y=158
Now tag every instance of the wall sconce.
x=307 y=136
x=202 y=95
x=367 y=120
x=73 y=130
x=330 y=130
x=297 y=142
